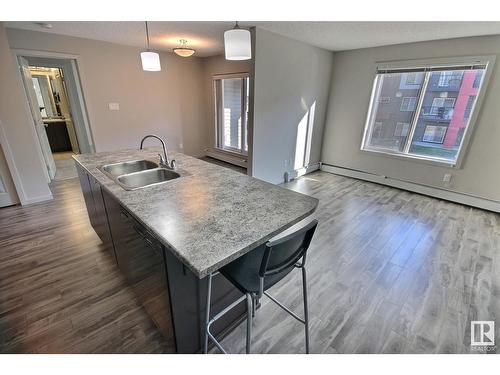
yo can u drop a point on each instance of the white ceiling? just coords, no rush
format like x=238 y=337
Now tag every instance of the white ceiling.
x=207 y=37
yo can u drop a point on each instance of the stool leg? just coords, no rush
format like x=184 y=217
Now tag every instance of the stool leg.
x=207 y=320
x=306 y=310
x=249 y=320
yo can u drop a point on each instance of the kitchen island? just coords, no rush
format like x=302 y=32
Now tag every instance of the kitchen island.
x=166 y=238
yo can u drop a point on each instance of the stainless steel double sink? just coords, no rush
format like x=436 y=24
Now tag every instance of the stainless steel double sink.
x=136 y=174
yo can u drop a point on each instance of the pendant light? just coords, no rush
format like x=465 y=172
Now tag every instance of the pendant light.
x=237 y=44
x=183 y=50
x=150 y=60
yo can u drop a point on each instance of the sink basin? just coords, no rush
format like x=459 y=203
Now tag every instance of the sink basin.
x=118 y=169
x=145 y=178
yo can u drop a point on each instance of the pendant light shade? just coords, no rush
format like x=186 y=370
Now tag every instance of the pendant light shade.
x=150 y=60
x=237 y=44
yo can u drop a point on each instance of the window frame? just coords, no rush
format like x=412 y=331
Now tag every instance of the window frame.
x=404 y=65
x=219 y=115
x=409 y=102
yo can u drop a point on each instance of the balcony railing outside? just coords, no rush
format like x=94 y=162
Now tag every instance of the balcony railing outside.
x=437 y=113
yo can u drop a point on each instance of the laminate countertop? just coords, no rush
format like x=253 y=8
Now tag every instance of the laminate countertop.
x=210 y=215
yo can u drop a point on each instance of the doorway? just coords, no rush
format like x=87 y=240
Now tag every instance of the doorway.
x=56 y=102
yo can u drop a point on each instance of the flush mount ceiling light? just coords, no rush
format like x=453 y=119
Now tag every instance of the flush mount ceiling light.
x=150 y=60
x=237 y=44
x=183 y=50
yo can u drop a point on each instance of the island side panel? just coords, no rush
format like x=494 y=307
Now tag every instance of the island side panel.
x=188 y=300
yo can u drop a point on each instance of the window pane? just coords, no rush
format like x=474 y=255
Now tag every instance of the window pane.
x=231 y=103
x=423 y=113
x=396 y=102
x=448 y=101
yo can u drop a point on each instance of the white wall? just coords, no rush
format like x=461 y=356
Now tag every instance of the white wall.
x=169 y=103
x=290 y=76
x=351 y=85
x=17 y=132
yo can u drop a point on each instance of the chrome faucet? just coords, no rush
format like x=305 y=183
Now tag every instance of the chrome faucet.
x=164 y=161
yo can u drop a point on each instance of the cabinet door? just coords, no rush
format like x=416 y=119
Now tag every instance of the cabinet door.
x=141 y=259
x=100 y=222
x=87 y=194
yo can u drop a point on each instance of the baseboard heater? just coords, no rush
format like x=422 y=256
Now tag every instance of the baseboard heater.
x=228 y=157
x=462 y=198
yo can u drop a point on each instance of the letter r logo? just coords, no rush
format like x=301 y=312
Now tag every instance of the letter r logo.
x=482 y=332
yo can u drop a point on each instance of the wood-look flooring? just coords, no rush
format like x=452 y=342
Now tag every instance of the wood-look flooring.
x=388 y=272
x=60 y=291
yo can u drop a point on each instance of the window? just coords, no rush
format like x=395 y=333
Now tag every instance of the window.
x=408 y=104
x=413 y=79
x=434 y=134
x=419 y=127
x=477 y=79
x=449 y=77
x=468 y=106
x=401 y=129
x=231 y=112
x=441 y=107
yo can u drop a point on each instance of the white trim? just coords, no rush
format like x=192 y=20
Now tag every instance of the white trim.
x=41 y=198
x=14 y=173
x=462 y=198
x=306 y=170
x=228 y=157
x=230 y=75
x=27 y=108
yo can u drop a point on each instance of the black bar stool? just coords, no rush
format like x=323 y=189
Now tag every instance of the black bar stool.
x=255 y=272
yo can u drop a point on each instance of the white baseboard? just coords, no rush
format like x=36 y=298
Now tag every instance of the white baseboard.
x=310 y=168
x=228 y=157
x=469 y=200
x=39 y=199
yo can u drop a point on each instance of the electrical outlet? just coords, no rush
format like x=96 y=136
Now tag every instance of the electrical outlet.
x=181 y=146
x=447 y=178
x=114 y=106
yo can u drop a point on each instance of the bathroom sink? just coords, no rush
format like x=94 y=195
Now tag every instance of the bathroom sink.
x=145 y=178
x=118 y=169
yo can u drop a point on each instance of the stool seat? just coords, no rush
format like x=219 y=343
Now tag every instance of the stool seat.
x=243 y=272
x=258 y=270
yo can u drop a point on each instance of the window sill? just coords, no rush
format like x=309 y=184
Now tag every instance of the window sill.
x=415 y=158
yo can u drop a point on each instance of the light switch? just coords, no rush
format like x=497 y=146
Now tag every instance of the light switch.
x=114 y=106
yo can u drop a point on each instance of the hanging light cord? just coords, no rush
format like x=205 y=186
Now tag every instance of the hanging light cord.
x=147 y=34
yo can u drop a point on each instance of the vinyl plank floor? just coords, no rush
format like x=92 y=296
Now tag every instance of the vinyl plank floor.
x=389 y=271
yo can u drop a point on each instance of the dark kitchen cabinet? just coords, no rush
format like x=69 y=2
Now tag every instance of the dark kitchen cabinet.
x=170 y=293
x=92 y=194
x=189 y=296
x=87 y=193
x=141 y=259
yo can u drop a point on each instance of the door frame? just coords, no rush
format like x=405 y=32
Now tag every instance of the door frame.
x=11 y=169
x=81 y=91
x=36 y=117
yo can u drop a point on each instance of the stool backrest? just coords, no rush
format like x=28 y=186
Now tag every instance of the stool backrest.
x=282 y=254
